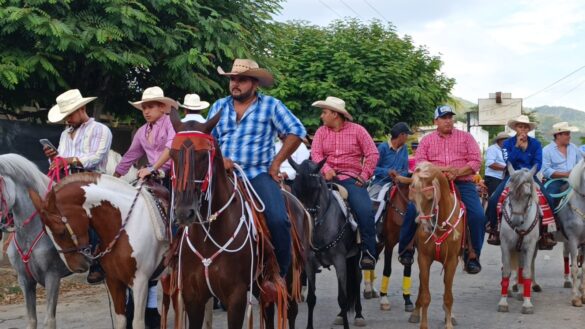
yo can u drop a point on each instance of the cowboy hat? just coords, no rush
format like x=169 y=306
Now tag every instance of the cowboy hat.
x=67 y=103
x=501 y=135
x=193 y=102
x=249 y=68
x=334 y=104
x=563 y=127
x=521 y=119
x=154 y=94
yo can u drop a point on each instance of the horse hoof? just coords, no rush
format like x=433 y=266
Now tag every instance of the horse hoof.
x=414 y=318
x=384 y=307
x=408 y=308
x=577 y=302
x=338 y=321
x=520 y=297
x=453 y=321
x=359 y=322
x=527 y=310
x=567 y=285
x=368 y=294
x=515 y=288
x=503 y=308
x=536 y=288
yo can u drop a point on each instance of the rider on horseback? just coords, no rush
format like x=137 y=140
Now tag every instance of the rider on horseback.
x=351 y=158
x=246 y=132
x=459 y=157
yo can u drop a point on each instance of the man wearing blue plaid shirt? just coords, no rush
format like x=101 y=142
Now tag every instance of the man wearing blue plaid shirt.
x=246 y=131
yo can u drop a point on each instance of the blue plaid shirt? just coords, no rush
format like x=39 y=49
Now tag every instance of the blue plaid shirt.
x=250 y=142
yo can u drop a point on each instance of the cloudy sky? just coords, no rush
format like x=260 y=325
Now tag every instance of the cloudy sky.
x=517 y=46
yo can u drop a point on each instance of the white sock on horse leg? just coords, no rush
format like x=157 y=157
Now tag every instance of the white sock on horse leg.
x=151 y=302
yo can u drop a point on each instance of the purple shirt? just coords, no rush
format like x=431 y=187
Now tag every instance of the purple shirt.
x=162 y=137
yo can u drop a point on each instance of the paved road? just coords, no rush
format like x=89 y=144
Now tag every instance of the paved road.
x=476 y=299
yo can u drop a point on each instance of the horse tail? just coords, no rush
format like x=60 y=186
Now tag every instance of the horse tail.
x=353 y=282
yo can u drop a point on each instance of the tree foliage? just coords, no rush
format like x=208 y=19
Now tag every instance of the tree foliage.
x=382 y=77
x=114 y=48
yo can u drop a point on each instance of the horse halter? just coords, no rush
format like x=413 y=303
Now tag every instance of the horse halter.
x=435 y=207
x=199 y=142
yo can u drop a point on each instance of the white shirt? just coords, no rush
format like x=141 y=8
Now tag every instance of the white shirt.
x=193 y=117
x=301 y=154
x=494 y=155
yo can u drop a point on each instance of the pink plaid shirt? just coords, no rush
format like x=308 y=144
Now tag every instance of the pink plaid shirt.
x=457 y=150
x=350 y=150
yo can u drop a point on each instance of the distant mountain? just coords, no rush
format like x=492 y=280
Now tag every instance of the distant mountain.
x=549 y=115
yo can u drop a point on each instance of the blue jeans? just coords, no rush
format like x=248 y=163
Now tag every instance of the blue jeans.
x=556 y=187
x=361 y=205
x=276 y=218
x=491 y=211
x=475 y=218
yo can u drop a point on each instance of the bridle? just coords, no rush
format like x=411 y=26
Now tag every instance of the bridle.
x=8 y=225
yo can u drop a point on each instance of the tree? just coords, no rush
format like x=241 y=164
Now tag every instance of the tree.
x=115 y=48
x=382 y=78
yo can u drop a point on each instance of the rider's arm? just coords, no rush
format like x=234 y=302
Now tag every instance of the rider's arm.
x=370 y=152
x=103 y=139
x=134 y=153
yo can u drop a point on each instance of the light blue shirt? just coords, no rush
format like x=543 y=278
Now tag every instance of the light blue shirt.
x=553 y=160
x=494 y=155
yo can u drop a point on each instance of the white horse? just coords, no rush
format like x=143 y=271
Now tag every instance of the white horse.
x=572 y=219
x=31 y=252
x=519 y=234
x=113 y=159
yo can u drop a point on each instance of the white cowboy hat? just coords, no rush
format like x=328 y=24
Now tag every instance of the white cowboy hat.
x=521 y=119
x=563 y=127
x=194 y=103
x=67 y=103
x=249 y=68
x=154 y=94
x=334 y=104
x=501 y=135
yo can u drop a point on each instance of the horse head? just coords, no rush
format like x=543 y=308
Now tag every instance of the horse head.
x=67 y=225
x=197 y=167
x=522 y=194
x=309 y=184
x=426 y=190
x=577 y=176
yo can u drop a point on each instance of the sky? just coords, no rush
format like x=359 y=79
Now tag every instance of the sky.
x=519 y=46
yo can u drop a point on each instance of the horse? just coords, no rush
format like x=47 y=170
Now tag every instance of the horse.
x=572 y=221
x=388 y=228
x=113 y=159
x=333 y=242
x=441 y=219
x=221 y=234
x=128 y=221
x=31 y=252
x=519 y=234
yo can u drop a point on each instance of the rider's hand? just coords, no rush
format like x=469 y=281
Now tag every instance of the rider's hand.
x=117 y=175
x=274 y=171
x=50 y=152
x=284 y=175
x=330 y=174
x=144 y=172
x=392 y=174
x=228 y=164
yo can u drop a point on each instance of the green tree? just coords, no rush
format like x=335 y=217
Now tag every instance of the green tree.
x=115 y=48
x=382 y=77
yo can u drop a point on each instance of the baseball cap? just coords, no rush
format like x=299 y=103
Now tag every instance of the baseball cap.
x=399 y=128
x=443 y=110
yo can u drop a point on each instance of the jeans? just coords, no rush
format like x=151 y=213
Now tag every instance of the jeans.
x=361 y=205
x=556 y=187
x=475 y=218
x=491 y=211
x=492 y=184
x=276 y=218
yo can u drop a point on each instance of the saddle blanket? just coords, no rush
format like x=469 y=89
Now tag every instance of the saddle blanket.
x=381 y=200
x=548 y=218
x=156 y=219
x=349 y=217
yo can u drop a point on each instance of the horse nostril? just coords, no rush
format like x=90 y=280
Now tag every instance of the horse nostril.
x=191 y=213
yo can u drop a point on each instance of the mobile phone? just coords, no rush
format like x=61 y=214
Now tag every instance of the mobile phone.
x=47 y=143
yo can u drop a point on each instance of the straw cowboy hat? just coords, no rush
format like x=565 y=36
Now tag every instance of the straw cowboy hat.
x=249 y=68
x=334 y=104
x=67 y=103
x=154 y=94
x=521 y=119
x=563 y=127
x=501 y=135
x=193 y=102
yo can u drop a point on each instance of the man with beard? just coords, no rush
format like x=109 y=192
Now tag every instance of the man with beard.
x=246 y=131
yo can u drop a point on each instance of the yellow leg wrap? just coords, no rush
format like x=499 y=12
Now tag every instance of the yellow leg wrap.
x=367 y=276
x=384 y=285
x=406 y=283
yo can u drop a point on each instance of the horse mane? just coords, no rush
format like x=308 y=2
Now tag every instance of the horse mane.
x=86 y=177
x=23 y=172
x=575 y=175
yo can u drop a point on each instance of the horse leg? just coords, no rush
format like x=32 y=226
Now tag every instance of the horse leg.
x=566 y=267
x=506 y=273
x=354 y=280
x=236 y=306
x=406 y=284
x=425 y=270
x=574 y=252
x=339 y=262
x=269 y=316
x=415 y=314
x=448 y=276
x=311 y=298
x=195 y=313
x=528 y=258
x=117 y=290
x=29 y=289
x=535 y=286
x=140 y=294
x=52 y=283
x=384 y=302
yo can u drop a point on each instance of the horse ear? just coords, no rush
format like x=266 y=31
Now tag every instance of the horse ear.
x=211 y=123
x=36 y=199
x=321 y=164
x=293 y=164
x=511 y=169
x=176 y=120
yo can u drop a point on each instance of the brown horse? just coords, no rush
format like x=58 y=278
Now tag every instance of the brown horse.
x=438 y=237
x=224 y=249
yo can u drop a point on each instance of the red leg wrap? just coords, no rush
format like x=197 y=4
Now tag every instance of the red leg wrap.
x=520 y=277
x=527 y=287
x=505 y=285
x=567 y=270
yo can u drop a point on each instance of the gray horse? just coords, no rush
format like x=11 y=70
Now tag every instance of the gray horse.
x=572 y=219
x=31 y=252
x=519 y=234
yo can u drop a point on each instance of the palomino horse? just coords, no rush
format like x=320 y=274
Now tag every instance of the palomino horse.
x=31 y=252
x=129 y=223
x=519 y=234
x=221 y=252
x=442 y=223
x=333 y=242
x=572 y=220
x=389 y=227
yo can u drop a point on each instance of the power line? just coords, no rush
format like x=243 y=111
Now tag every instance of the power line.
x=350 y=8
x=554 y=83
x=331 y=9
x=376 y=10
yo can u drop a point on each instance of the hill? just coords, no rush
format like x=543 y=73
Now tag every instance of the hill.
x=549 y=115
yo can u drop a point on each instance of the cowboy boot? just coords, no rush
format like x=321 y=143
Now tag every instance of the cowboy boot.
x=494 y=238
x=546 y=242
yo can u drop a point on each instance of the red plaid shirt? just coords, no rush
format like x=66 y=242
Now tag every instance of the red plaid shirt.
x=459 y=149
x=350 y=150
